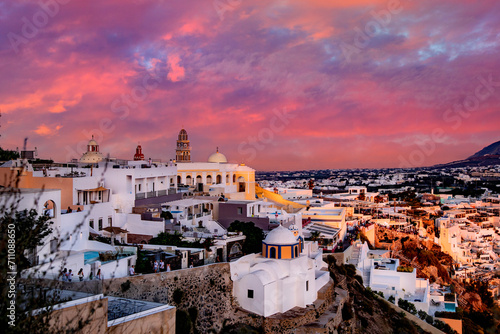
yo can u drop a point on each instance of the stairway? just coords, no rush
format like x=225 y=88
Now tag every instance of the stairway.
x=356 y=253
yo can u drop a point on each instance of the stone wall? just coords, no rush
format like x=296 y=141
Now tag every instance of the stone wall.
x=207 y=288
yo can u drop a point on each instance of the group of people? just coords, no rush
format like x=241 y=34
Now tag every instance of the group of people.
x=67 y=275
x=69 y=210
x=160 y=266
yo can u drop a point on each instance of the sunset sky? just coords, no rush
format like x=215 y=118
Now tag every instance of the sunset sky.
x=278 y=85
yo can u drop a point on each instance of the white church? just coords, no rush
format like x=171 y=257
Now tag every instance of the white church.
x=289 y=273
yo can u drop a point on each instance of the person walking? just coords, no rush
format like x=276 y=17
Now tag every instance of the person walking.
x=80 y=274
x=70 y=275
x=168 y=267
x=132 y=271
x=162 y=265
x=156 y=267
x=64 y=275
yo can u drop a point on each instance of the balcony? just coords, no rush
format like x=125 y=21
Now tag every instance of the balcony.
x=151 y=194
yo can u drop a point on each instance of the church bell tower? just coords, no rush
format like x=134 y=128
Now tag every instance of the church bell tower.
x=183 y=150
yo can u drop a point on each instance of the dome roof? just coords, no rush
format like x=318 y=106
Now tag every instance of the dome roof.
x=91 y=157
x=280 y=236
x=217 y=157
x=92 y=142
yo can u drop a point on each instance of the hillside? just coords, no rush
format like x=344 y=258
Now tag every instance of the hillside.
x=488 y=156
x=493 y=149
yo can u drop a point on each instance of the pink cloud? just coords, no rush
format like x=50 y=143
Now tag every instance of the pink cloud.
x=151 y=68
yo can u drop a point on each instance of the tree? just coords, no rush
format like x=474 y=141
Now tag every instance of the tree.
x=167 y=239
x=29 y=230
x=407 y=306
x=315 y=235
x=6 y=155
x=254 y=236
x=20 y=231
x=167 y=215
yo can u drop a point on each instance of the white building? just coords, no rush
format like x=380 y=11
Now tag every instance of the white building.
x=286 y=275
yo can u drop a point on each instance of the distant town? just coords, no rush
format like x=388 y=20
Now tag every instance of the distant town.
x=183 y=246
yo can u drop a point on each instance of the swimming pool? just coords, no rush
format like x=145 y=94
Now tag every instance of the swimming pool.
x=449 y=307
x=90 y=257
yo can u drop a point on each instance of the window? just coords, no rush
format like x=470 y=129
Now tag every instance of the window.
x=240 y=210
x=250 y=294
x=110 y=221
x=272 y=253
x=307 y=285
x=91 y=223
x=139 y=188
x=100 y=224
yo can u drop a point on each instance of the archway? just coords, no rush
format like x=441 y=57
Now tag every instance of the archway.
x=235 y=250
x=241 y=184
x=218 y=179
x=179 y=179
x=49 y=208
x=209 y=179
x=189 y=180
x=272 y=253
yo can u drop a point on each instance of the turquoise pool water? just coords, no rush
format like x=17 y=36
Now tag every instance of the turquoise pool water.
x=449 y=307
x=89 y=257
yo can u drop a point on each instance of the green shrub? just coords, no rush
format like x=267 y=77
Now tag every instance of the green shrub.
x=404 y=269
x=422 y=314
x=407 y=306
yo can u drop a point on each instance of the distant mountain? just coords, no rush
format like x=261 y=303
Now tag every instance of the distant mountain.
x=488 y=156
x=493 y=149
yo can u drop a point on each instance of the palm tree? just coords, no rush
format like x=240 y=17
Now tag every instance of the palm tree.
x=315 y=235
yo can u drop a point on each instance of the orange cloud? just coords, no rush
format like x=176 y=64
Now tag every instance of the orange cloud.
x=44 y=130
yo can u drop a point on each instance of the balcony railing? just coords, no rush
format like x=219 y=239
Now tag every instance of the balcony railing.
x=158 y=193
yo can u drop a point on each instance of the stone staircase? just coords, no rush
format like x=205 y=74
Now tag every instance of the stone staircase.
x=356 y=254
